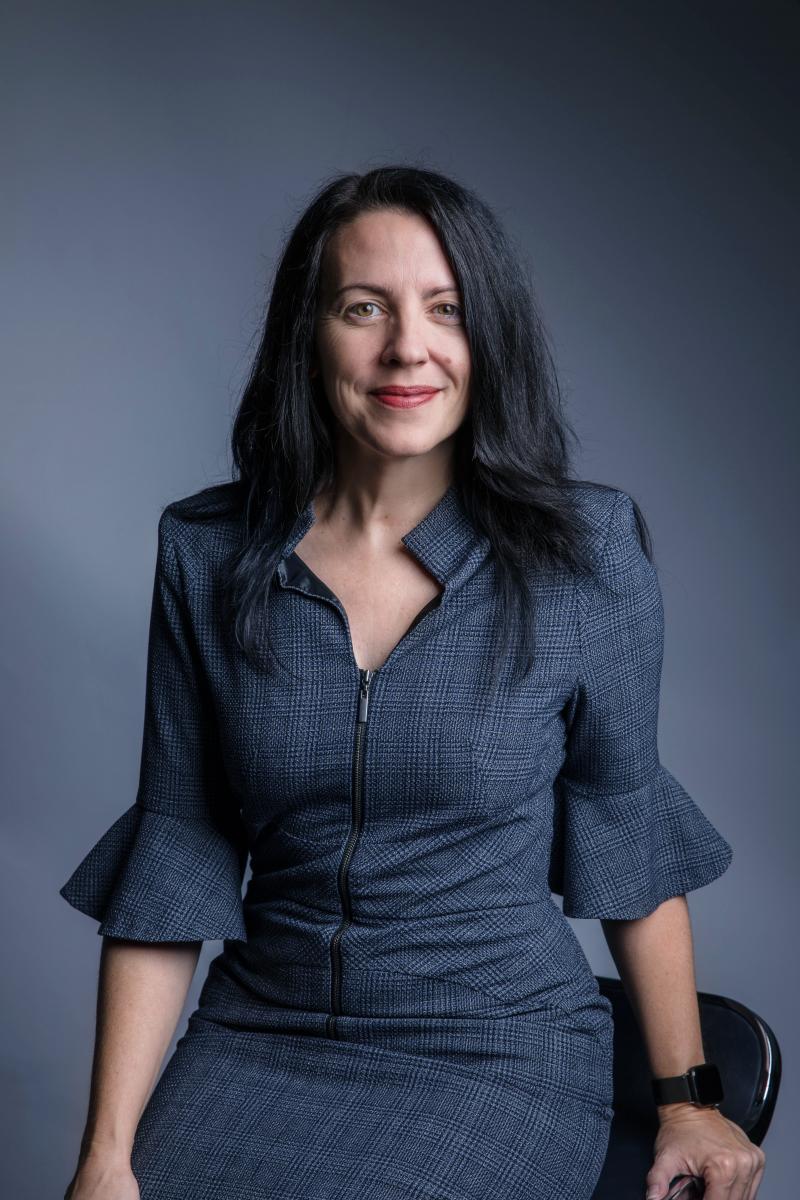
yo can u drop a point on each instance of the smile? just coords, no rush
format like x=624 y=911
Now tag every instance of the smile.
x=395 y=397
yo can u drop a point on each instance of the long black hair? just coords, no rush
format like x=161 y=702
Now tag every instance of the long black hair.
x=512 y=457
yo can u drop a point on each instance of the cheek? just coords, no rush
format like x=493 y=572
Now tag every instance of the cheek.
x=342 y=354
x=457 y=362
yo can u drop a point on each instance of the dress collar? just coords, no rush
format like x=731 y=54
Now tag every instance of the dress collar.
x=445 y=541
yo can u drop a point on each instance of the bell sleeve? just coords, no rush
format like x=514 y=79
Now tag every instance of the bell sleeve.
x=627 y=836
x=171 y=867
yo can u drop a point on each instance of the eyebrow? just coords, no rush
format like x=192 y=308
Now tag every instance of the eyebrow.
x=374 y=287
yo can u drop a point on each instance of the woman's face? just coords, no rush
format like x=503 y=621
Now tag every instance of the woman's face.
x=379 y=324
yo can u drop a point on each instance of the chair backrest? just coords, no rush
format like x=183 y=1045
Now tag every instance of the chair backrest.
x=739 y=1041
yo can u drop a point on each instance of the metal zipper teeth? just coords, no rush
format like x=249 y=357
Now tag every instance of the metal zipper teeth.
x=365 y=679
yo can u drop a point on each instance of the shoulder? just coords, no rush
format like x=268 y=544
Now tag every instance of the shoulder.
x=619 y=603
x=198 y=531
x=608 y=516
x=622 y=582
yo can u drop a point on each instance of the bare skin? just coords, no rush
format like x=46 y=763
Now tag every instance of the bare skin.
x=142 y=989
x=382 y=597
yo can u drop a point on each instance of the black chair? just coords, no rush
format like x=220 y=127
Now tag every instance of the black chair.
x=734 y=1037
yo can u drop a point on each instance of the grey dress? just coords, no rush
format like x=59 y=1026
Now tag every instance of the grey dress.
x=399 y=1008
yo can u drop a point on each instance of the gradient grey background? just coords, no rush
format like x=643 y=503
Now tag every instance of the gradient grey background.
x=154 y=155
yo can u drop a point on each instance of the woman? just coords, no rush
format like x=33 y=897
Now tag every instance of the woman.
x=410 y=668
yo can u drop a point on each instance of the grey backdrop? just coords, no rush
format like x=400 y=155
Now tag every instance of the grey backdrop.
x=642 y=157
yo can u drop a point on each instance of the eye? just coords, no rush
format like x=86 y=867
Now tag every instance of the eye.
x=448 y=304
x=361 y=304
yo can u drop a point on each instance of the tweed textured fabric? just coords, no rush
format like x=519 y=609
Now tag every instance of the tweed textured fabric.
x=399 y=1009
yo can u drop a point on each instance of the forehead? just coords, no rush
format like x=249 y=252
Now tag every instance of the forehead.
x=386 y=247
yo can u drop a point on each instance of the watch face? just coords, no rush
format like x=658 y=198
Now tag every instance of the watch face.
x=706 y=1084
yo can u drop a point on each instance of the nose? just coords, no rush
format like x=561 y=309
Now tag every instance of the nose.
x=406 y=340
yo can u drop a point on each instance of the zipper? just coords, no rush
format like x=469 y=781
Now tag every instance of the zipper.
x=365 y=680
x=299 y=577
x=366 y=677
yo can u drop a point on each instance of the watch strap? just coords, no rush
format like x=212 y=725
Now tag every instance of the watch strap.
x=700 y=1085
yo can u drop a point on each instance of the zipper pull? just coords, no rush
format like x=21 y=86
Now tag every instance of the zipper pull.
x=363 y=699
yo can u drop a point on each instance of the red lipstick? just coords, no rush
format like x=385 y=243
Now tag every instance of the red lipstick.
x=403 y=397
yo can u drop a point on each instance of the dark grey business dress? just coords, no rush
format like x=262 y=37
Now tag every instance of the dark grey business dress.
x=399 y=1008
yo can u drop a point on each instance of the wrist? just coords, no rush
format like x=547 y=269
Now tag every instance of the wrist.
x=680 y=1107
x=677 y=1106
x=106 y=1147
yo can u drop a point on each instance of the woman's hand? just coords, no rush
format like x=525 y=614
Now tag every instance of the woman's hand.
x=100 y=1177
x=701 y=1141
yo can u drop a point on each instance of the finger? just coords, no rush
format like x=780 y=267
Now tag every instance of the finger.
x=657 y=1182
x=748 y=1165
x=741 y=1183
x=758 y=1175
x=659 y=1179
x=720 y=1175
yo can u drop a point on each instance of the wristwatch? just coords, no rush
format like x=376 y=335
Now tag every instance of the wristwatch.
x=700 y=1085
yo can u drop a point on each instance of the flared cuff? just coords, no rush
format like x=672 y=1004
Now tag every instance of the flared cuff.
x=618 y=856
x=158 y=878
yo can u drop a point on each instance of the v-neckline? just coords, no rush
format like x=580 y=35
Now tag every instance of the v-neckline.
x=445 y=542
x=300 y=574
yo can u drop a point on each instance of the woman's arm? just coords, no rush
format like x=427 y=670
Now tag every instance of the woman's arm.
x=654 y=955
x=655 y=959
x=142 y=989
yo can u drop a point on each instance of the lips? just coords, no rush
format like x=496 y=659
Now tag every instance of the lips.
x=404 y=391
x=403 y=397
